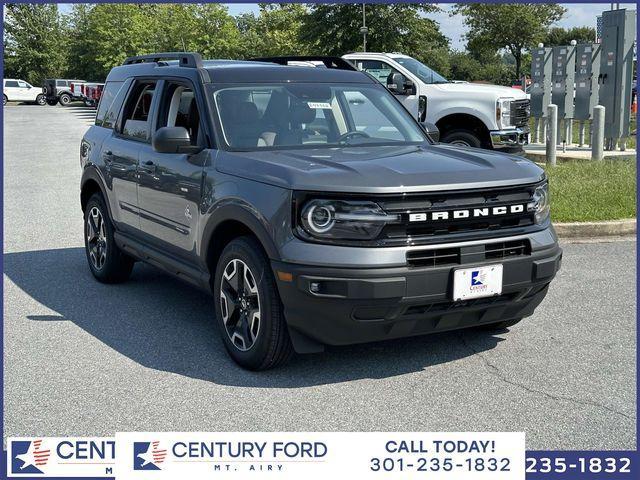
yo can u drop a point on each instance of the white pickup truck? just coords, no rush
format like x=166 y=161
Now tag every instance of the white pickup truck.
x=471 y=114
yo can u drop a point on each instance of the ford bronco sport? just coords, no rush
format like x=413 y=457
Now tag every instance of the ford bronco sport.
x=310 y=202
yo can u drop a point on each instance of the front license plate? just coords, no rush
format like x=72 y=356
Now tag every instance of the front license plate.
x=477 y=282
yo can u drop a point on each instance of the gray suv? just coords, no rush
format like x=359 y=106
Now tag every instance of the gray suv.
x=310 y=203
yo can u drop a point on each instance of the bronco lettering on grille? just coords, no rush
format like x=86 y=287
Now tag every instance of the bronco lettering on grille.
x=467 y=213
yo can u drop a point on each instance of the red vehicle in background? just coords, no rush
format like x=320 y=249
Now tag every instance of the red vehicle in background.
x=92 y=93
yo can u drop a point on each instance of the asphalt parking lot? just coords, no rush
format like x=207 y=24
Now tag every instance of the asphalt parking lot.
x=83 y=358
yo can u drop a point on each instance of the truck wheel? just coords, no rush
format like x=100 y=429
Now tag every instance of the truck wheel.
x=462 y=137
x=65 y=99
x=52 y=102
x=4 y=100
x=248 y=308
x=107 y=262
x=41 y=100
x=502 y=325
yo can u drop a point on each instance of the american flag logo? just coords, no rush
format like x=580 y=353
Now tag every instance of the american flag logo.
x=148 y=455
x=31 y=457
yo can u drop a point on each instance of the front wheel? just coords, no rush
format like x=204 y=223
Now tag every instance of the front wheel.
x=41 y=100
x=464 y=138
x=248 y=308
x=107 y=262
x=65 y=99
x=4 y=100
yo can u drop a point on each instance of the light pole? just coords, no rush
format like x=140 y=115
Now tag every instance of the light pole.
x=364 y=30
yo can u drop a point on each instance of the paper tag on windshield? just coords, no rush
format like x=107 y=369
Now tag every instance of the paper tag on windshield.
x=323 y=105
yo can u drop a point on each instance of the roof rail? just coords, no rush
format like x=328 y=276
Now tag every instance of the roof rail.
x=185 y=59
x=337 y=63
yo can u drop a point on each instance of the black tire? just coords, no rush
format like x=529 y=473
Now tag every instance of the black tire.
x=463 y=138
x=41 y=100
x=52 y=102
x=502 y=325
x=88 y=104
x=64 y=99
x=4 y=99
x=115 y=266
x=271 y=345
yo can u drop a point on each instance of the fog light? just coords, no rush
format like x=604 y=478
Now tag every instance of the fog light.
x=314 y=287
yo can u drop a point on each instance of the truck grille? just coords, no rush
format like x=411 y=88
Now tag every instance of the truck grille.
x=408 y=232
x=439 y=257
x=520 y=112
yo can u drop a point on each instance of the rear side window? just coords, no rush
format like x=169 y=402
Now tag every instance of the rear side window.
x=10 y=83
x=106 y=101
x=61 y=83
x=136 y=118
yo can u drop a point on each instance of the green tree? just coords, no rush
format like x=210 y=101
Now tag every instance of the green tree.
x=558 y=36
x=514 y=27
x=34 y=43
x=335 y=30
x=274 y=31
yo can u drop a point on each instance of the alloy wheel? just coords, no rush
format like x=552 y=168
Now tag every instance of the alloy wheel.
x=96 y=238
x=240 y=304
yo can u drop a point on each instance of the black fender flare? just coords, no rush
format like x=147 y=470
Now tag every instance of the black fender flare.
x=240 y=213
x=91 y=173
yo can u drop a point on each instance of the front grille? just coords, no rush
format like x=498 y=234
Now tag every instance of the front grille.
x=520 y=112
x=434 y=258
x=432 y=231
x=501 y=250
x=439 y=257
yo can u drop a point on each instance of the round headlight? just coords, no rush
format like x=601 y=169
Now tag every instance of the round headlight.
x=320 y=218
x=541 y=205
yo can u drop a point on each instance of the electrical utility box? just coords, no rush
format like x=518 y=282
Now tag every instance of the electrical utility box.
x=563 y=79
x=541 y=63
x=587 y=72
x=616 y=70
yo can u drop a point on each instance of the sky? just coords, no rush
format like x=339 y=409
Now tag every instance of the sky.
x=578 y=15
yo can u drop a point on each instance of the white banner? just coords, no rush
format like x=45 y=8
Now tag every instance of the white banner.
x=61 y=457
x=375 y=455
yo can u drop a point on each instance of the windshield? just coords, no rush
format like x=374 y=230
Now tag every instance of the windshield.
x=420 y=70
x=312 y=115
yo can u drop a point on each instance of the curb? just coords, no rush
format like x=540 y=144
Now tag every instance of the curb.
x=610 y=228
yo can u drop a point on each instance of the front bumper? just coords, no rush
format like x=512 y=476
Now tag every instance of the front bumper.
x=509 y=140
x=338 y=306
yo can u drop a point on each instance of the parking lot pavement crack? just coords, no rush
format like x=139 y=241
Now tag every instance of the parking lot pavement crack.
x=496 y=372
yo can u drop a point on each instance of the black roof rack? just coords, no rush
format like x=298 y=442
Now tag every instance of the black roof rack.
x=338 y=63
x=190 y=60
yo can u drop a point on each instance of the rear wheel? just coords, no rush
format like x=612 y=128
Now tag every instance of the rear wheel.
x=463 y=138
x=65 y=99
x=52 y=102
x=107 y=262
x=248 y=308
x=502 y=325
x=41 y=100
x=4 y=99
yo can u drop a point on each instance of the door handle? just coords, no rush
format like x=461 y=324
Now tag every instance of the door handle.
x=148 y=166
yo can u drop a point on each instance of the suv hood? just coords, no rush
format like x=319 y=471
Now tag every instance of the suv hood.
x=480 y=88
x=381 y=169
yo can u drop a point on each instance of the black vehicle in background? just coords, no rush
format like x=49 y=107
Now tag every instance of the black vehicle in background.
x=58 y=90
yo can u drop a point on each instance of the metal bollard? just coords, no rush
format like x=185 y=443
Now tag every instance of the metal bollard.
x=552 y=133
x=581 y=134
x=597 y=137
x=536 y=130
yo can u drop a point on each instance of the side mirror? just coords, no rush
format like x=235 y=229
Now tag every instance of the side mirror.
x=395 y=83
x=431 y=130
x=173 y=140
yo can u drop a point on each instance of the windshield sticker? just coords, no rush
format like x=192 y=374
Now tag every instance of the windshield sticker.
x=323 y=105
